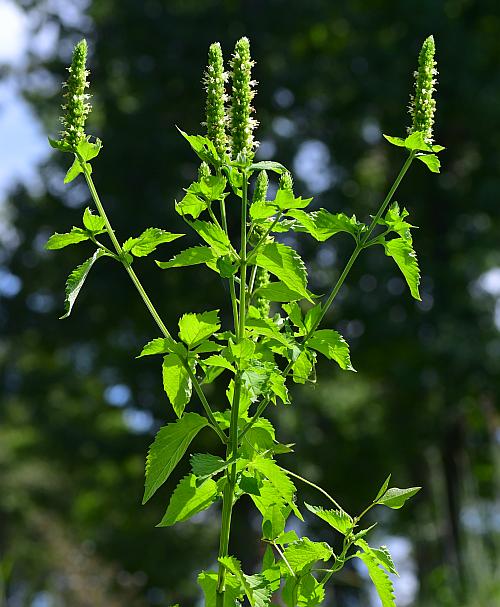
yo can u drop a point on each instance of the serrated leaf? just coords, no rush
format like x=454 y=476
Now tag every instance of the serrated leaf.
x=337 y=519
x=176 y=382
x=202 y=146
x=398 y=141
x=147 y=242
x=160 y=345
x=381 y=555
x=195 y=328
x=395 y=498
x=401 y=250
x=208 y=583
x=278 y=291
x=285 y=264
x=59 y=241
x=94 y=223
x=383 y=488
x=214 y=236
x=189 y=257
x=268 y=165
x=304 y=553
x=262 y=210
x=267 y=328
x=332 y=345
x=169 y=446
x=88 y=149
x=74 y=170
x=322 y=224
x=431 y=161
x=256 y=587
x=416 y=141
x=191 y=205
x=285 y=200
x=395 y=220
x=380 y=579
x=219 y=361
x=76 y=280
x=278 y=478
x=210 y=188
x=59 y=145
x=188 y=499
x=205 y=464
x=302 y=367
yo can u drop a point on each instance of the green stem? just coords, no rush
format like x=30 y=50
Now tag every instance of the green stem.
x=232 y=288
x=232 y=449
x=146 y=299
x=317 y=487
x=334 y=292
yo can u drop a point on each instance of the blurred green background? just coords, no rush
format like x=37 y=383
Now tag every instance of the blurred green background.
x=78 y=410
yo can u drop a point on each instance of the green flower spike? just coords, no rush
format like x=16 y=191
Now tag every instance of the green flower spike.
x=203 y=171
x=261 y=187
x=286 y=182
x=422 y=104
x=77 y=108
x=261 y=303
x=242 y=124
x=215 y=79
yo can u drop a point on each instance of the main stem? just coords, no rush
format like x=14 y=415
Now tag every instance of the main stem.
x=232 y=448
x=146 y=299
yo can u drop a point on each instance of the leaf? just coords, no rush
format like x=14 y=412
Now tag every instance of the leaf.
x=176 y=383
x=219 y=361
x=89 y=150
x=402 y=252
x=381 y=555
x=395 y=498
x=160 y=345
x=75 y=281
x=286 y=200
x=395 y=220
x=213 y=235
x=398 y=141
x=195 y=328
x=302 y=368
x=205 y=464
x=332 y=345
x=59 y=145
x=305 y=553
x=256 y=587
x=169 y=446
x=262 y=210
x=322 y=225
x=267 y=328
x=416 y=141
x=278 y=291
x=191 y=205
x=380 y=579
x=188 y=499
x=59 y=241
x=147 y=242
x=285 y=264
x=189 y=257
x=279 y=480
x=202 y=146
x=93 y=223
x=337 y=519
x=74 y=170
x=268 y=165
x=432 y=162
x=383 y=488
x=208 y=583
x=210 y=188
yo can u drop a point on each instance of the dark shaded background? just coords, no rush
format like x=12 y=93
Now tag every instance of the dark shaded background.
x=78 y=411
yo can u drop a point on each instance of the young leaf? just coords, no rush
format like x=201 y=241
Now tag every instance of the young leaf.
x=59 y=241
x=322 y=225
x=176 y=382
x=189 y=257
x=337 y=519
x=169 y=446
x=256 y=586
x=401 y=250
x=75 y=281
x=93 y=223
x=416 y=141
x=191 y=205
x=398 y=141
x=395 y=220
x=285 y=263
x=380 y=579
x=208 y=583
x=147 y=242
x=214 y=236
x=210 y=188
x=88 y=149
x=160 y=345
x=383 y=488
x=332 y=345
x=74 y=170
x=395 y=498
x=195 y=328
x=432 y=162
x=268 y=165
x=188 y=499
x=304 y=553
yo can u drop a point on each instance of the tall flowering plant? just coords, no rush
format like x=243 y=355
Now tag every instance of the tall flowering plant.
x=274 y=339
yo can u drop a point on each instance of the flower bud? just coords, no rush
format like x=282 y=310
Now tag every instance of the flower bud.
x=261 y=187
x=286 y=182
x=261 y=280
x=203 y=171
x=76 y=109
x=422 y=103
x=242 y=124
x=214 y=80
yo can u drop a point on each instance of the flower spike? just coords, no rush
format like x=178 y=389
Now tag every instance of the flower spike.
x=423 y=104
x=261 y=187
x=214 y=80
x=77 y=108
x=242 y=124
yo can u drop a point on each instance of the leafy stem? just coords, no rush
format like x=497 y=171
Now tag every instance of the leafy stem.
x=145 y=297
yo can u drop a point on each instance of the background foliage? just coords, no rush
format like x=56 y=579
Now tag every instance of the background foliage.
x=78 y=411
